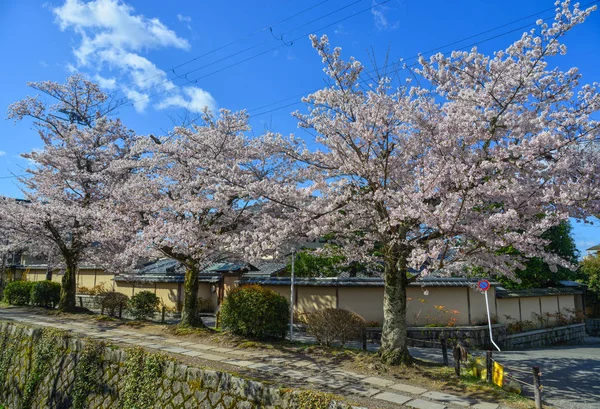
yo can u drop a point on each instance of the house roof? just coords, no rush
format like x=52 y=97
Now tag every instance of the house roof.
x=429 y=281
x=266 y=269
x=594 y=248
x=569 y=283
x=536 y=292
x=171 y=271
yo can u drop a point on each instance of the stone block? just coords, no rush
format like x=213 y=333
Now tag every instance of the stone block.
x=424 y=404
x=415 y=390
x=361 y=390
x=448 y=398
x=392 y=397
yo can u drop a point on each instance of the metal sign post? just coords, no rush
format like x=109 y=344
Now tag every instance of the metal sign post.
x=484 y=286
x=292 y=298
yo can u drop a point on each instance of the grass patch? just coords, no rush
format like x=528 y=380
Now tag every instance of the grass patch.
x=134 y=324
x=189 y=331
x=104 y=318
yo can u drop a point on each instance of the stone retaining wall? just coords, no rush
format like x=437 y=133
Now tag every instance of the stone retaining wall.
x=592 y=327
x=568 y=334
x=46 y=368
x=475 y=336
x=91 y=302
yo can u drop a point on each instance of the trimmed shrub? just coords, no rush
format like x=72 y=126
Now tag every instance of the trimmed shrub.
x=45 y=294
x=335 y=325
x=112 y=301
x=256 y=312
x=18 y=292
x=144 y=305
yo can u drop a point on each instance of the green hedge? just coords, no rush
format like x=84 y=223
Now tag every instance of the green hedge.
x=254 y=311
x=18 y=292
x=45 y=294
x=144 y=305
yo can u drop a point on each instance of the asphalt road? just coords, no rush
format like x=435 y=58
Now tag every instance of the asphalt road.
x=570 y=374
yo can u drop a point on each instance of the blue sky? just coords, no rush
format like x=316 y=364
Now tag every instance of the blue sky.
x=130 y=47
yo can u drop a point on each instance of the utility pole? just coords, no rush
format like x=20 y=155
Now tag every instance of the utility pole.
x=292 y=297
x=48 y=269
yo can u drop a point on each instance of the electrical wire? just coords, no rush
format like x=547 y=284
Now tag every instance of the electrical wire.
x=214 y=50
x=132 y=103
x=416 y=56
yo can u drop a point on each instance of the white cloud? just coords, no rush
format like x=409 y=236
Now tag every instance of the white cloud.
x=185 y=19
x=113 y=37
x=111 y=24
x=106 y=83
x=195 y=99
x=2 y=153
x=381 y=21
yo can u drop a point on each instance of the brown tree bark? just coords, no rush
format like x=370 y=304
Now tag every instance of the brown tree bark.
x=68 y=288
x=394 y=340
x=189 y=314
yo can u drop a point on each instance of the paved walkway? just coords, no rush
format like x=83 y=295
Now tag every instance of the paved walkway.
x=329 y=378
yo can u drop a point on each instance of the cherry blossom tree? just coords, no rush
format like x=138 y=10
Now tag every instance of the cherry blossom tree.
x=191 y=196
x=482 y=154
x=67 y=213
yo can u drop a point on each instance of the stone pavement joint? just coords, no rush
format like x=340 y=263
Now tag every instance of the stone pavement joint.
x=175 y=350
x=238 y=362
x=415 y=390
x=446 y=397
x=192 y=353
x=424 y=404
x=362 y=390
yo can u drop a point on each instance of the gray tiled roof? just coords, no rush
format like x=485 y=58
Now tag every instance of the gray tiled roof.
x=428 y=281
x=171 y=271
x=535 y=292
x=266 y=269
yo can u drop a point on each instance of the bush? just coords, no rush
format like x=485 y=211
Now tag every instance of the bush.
x=45 y=294
x=112 y=301
x=205 y=305
x=18 y=292
x=335 y=325
x=144 y=305
x=256 y=312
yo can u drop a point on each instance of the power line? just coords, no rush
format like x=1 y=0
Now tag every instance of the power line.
x=384 y=67
x=416 y=56
x=484 y=40
x=129 y=86
x=249 y=58
x=184 y=76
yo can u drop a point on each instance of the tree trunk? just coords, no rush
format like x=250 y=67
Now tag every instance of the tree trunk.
x=189 y=314
x=394 y=348
x=69 y=288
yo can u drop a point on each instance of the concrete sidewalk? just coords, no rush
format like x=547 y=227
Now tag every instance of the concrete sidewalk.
x=327 y=378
